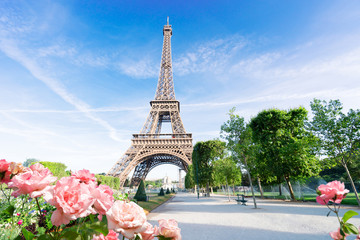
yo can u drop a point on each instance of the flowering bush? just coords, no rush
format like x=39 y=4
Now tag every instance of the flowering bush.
x=331 y=195
x=73 y=208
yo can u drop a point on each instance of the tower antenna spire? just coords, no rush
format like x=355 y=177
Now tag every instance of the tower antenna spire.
x=168 y=20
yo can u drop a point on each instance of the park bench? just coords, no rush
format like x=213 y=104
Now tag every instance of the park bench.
x=241 y=201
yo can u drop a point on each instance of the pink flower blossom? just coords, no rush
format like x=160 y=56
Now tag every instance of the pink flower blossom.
x=34 y=181
x=104 y=198
x=111 y=236
x=169 y=229
x=20 y=222
x=18 y=214
x=149 y=232
x=4 y=165
x=72 y=199
x=336 y=235
x=4 y=171
x=84 y=176
x=126 y=218
x=333 y=191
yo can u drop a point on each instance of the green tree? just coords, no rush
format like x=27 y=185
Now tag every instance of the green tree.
x=141 y=193
x=161 y=193
x=29 y=161
x=204 y=154
x=285 y=145
x=339 y=133
x=239 y=141
x=189 y=178
x=226 y=172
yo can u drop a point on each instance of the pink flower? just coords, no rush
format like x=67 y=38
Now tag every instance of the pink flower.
x=111 y=236
x=18 y=214
x=84 y=176
x=72 y=199
x=126 y=218
x=333 y=191
x=4 y=171
x=149 y=232
x=169 y=229
x=34 y=181
x=104 y=198
x=20 y=222
x=336 y=235
x=4 y=165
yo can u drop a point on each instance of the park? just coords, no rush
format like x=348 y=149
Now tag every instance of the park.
x=262 y=140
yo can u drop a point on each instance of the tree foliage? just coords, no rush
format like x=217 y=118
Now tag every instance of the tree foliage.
x=113 y=182
x=28 y=162
x=161 y=193
x=189 y=178
x=57 y=169
x=141 y=193
x=204 y=154
x=285 y=146
x=226 y=172
x=339 y=133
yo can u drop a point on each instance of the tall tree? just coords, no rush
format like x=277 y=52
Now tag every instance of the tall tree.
x=286 y=146
x=339 y=133
x=226 y=172
x=204 y=154
x=29 y=161
x=189 y=178
x=238 y=136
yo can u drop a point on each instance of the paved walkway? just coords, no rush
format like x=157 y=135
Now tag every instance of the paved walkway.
x=217 y=218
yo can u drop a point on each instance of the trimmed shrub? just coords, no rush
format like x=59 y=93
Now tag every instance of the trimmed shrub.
x=57 y=169
x=167 y=191
x=112 y=182
x=140 y=193
x=161 y=193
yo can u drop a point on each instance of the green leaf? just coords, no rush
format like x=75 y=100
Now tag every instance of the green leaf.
x=99 y=227
x=28 y=235
x=9 y=210
x=44 y=237
x=41 y=230
x=349 y=214
x=70 y=235
x=351 y=229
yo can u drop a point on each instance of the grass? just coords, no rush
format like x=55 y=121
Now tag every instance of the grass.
x=154 y=201
x=349 y=200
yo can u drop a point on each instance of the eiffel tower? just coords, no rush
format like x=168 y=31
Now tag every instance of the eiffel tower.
x=151 y=148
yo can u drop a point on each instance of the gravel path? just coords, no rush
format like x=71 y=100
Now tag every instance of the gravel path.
x=217 y=218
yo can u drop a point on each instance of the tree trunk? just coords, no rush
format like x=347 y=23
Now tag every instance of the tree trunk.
x=251 y=186
x=233 y=189
x=351 y=181
x=280 y=193
x=227 y=187
x=212 y=191
x=207 y=190
x=260 y=188
x=292 y=195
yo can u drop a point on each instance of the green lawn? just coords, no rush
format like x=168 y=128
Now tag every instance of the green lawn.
x=349 y=200
x=154 y=201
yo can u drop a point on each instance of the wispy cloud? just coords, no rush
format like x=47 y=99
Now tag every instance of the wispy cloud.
x=10 y=48
x=209 y=56
x=143 y=68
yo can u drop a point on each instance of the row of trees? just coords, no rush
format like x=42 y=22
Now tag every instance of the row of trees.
x=279 y=146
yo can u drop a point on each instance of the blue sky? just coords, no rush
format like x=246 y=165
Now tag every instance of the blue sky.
x=76 y=77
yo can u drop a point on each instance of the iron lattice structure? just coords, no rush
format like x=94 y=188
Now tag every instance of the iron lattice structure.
x=152 y=148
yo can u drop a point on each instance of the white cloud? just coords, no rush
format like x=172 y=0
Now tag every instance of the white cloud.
x=210 y=56
x=12 y=50
x=143 y=68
